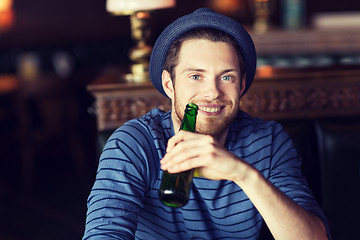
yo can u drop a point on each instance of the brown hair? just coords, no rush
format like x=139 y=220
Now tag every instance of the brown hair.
x=211 y=34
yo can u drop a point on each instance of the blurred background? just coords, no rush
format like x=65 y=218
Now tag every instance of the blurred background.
x=51 y=51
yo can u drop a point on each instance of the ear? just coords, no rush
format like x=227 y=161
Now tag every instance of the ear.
x=167 y=84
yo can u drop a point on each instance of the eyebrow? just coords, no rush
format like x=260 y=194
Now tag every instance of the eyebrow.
x=193 y=70
x=203 y=70
x=230 y=70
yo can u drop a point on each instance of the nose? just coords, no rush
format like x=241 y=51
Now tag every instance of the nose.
x=211 y=90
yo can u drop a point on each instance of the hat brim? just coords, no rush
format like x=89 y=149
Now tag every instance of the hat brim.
x=203 y=17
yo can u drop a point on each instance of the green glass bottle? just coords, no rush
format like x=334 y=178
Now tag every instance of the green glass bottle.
x=175 y=188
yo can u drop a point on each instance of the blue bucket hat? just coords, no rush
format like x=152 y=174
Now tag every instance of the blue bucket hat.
x=203 y=17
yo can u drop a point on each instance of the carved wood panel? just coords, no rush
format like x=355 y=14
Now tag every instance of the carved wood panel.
x=115 y=108
x=323 y=99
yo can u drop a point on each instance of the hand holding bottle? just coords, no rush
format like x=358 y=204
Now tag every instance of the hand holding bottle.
x=188 y=150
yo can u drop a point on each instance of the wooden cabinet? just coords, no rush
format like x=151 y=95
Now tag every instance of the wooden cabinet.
x=118 y=102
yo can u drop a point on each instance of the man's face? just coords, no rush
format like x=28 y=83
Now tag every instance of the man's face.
x=208 y=74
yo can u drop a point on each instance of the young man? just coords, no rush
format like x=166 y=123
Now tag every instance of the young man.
x=249 y=170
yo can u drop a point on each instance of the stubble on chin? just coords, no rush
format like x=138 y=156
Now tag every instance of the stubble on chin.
x=214 y=126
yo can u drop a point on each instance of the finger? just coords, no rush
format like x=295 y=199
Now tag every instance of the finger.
x=188 y=164
x=182 y=152
x=179 y=137
x=189 y=139
x=210 y=164
x=186 y=156
x=193 y=146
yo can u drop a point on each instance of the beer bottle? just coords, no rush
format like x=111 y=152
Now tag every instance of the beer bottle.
x=175 y=188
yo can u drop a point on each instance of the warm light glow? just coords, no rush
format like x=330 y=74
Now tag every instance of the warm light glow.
x=8 y=83
x=6 y=14
x=265 y=71
x=5 y=5
x=227 y=5
x=130 y=6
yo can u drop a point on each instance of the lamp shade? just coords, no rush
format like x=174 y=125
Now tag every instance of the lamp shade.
x=129 y=6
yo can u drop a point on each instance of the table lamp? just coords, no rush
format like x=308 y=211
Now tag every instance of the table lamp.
x=139 y=11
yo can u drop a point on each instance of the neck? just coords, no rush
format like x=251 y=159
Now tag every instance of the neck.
x=222 y=138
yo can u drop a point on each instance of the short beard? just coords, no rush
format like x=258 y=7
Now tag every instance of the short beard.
x=210 y=126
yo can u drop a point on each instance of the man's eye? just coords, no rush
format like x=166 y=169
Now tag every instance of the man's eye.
x=226 y=78
x=195 y=77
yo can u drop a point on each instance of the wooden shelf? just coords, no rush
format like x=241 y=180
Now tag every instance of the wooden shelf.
x=307 y=41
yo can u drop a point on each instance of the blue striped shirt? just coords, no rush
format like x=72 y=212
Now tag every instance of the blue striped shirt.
x=124 y=204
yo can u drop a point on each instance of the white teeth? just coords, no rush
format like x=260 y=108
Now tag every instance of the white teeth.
x=208 y=109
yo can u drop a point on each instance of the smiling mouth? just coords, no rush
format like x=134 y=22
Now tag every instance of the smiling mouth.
x=210 y=109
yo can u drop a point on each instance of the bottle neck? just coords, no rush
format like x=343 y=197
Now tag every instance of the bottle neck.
x=188 y=123
x=189 y=120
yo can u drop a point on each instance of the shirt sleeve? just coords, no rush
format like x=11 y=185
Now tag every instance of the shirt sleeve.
x=286 y=174
x=122 y=179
